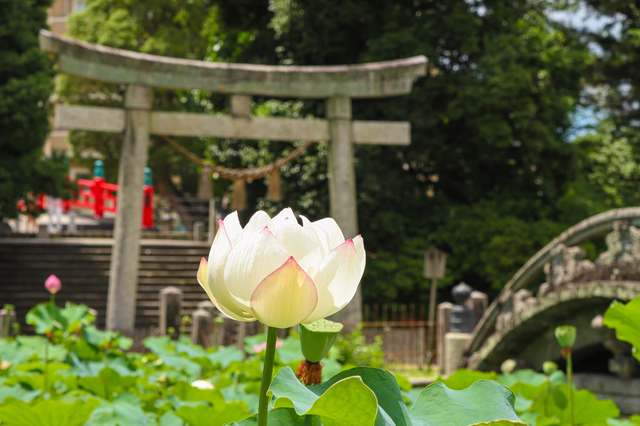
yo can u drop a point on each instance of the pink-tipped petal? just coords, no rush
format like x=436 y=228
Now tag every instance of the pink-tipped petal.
x=358 y=243
x=285 y=297
x=250 y=261
x=233 y=227
x=336 y=280
x=203 y=281
x=257 y=222
x=334 y=233
x=218 y=255
x=300 y=244
x=285 y=215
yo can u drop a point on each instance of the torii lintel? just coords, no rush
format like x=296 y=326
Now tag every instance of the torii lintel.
x=101 y=63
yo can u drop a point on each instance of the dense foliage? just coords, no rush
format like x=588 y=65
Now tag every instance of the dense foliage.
x=25 y=87
x=489 y=177
x=70 y=373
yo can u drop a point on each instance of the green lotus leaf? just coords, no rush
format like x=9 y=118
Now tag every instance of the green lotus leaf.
x=485 y=401
x=588 y=408
x=277 y=417
x=17 y=392
x=464 y=378
x=124 y=410
x=625 y=319
x=18 y=413
x=225 y=356
x=347 y=400
x=213 y=416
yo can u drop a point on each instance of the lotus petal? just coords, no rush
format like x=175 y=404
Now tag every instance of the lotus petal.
x=285 y=297
x=334 y=233
x=250 y=261
x=337 y=280
x=204 y=283
x=233 y=227
x=285 y=214
x=257 y=222
x=300 y=244
x=319 y=234
x=358 y=242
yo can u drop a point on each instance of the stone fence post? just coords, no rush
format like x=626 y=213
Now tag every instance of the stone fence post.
x=444 y=325
x=451 y=339
x=7 y=318
x=170 y=303
x=201 y=327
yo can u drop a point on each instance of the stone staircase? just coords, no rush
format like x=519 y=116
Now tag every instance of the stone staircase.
x=82 y=264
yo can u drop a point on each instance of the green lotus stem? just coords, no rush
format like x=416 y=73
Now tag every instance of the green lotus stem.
x=546 y=397
x=267 y=372
x=6 y=325
x=52 y=299
x=106 y=375
x=46 y=364
x=570 y=383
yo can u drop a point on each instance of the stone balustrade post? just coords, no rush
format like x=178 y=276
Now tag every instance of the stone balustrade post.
x=170 y=305
x=201 y=327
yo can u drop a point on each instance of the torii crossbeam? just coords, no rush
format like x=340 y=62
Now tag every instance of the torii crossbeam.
x=141 y=72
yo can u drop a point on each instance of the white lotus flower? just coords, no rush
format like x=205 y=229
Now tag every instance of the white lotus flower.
x=280 y=273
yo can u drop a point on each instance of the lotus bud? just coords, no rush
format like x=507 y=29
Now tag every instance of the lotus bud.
x=52 y=284
x=508 y=366
x=316 y=339
x=549 y=367
x=566 y=336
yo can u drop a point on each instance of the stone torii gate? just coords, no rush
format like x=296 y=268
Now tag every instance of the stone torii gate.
x=142 y=72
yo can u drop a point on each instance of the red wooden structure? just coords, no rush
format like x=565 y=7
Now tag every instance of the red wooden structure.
x=100 y=196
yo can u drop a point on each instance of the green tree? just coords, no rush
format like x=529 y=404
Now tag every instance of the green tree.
x=186 y=30
x=488 y=159
x=615 y=74
x=25 y=87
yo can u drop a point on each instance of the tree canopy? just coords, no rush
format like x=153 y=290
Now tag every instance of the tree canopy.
x=25 y=87
x=489 y=177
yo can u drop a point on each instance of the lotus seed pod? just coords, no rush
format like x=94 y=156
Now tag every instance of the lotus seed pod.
x=566 y=335
x=317 y=338
x=549 y=367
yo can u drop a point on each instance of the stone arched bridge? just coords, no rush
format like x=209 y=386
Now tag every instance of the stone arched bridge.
x=519 y=324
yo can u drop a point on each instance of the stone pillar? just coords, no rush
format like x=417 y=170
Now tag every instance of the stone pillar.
x=198 y=231
x=454 y=344
x=7 y=318
x=170 y=304
x=123 y=276
x=478 y=303
x=201 y=328
x=444 y=325
x=342 y=189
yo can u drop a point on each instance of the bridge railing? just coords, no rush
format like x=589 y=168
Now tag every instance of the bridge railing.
x=589 y=228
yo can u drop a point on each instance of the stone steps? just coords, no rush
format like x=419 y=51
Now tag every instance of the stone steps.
x=83 y=267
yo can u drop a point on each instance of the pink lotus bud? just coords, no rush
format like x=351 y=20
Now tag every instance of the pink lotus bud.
x=263 y=346
x=52 y=284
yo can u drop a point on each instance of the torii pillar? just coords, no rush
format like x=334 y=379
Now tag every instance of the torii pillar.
x=142 y=72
